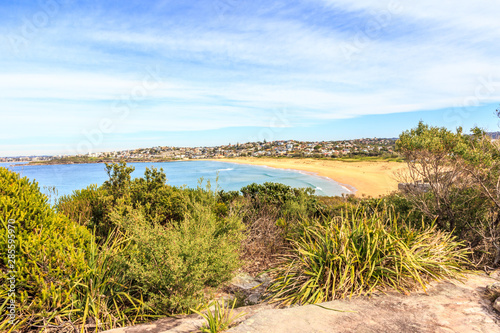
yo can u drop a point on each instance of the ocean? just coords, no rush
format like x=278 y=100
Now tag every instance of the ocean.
x=231 y=176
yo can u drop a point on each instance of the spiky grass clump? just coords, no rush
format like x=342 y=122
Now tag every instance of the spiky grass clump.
x=220 y=319
x=361 y=252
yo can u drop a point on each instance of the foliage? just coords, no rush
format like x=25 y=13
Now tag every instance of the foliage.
x=461 y=173
x=220 y=319
x=274 y=193
x=271 y=211
x=87 y=207
x=159 y=201
x=91 y=207
x=50 y=250
x=119 y=179
x=227 y=197
x=360 y=252
x=401 y=204
x=63 y=277
x=175 y=263
x=193 y=236
x=105 y=298
x=289 y=204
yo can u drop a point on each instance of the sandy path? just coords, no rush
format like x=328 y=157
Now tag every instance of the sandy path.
x=368 y=178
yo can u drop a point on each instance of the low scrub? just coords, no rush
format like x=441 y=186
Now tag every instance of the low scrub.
x=62 y=277
x=48 y=257
x=175 y=264
x=271 y=211
x=361 y=252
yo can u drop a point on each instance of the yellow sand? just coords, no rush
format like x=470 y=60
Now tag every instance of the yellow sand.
x=368 y=178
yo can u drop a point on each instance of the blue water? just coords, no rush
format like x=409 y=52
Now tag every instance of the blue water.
x=231 y=176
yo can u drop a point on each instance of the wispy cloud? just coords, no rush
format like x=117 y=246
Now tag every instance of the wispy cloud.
x=227 y=64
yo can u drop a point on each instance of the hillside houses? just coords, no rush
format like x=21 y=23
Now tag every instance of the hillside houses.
x=278 y=148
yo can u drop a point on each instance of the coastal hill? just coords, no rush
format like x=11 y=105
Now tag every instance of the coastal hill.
x=375 y=147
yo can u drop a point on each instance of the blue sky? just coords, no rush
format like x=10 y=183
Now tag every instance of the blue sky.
x=79 y=76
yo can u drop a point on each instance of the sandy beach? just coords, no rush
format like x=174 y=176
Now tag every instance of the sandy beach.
x=368 y=178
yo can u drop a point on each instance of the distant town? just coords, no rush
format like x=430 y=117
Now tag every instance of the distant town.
x=358 y=148
x=281 y=148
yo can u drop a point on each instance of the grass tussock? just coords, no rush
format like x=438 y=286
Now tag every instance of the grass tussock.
x=220 y=319
x=358 y=253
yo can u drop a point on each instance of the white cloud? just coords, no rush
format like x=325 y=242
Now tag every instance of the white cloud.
x=430 y=55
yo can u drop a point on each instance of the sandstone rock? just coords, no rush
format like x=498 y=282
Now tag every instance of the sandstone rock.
x=185 y=323
x=493 y=289
x=251 y=288
x=244 y=281
x=495 y=274
x=496 y=304
x=446 y=307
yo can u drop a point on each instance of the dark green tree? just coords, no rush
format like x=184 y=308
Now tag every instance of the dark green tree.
x=119 y=175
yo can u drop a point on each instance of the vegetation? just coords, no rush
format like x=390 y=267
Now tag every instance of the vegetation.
x=58 y=270
x=360 y=252
x=115 y=258
x=172 y=265
x=461 y=174
x=220 y=319
x=134 y=249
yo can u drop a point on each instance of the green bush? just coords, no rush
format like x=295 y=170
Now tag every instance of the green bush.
x=361 y=252
x=282 y=204
x=174 y=264
x=105 y=297
x=87 y=207
x=279 y=195
x=91 y=206
x=227 y=197
x=180 y=241
x=63 y=277
x=462 y=173
x=50 y=251
x=159 y=201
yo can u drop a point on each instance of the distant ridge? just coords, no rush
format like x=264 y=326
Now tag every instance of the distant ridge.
x=494 y=135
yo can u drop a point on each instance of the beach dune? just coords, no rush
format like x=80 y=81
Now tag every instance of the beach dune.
x=369 y=178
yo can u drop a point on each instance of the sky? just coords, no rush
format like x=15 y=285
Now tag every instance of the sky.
x=91 y=76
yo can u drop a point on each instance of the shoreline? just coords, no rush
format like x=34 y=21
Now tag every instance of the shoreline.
x=345 y=186
x=368 y=178
x=361 y=178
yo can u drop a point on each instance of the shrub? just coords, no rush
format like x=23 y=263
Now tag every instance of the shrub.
x=361 y=252
x=104 y=297
x=159 y=201
x=401 y=205
x=279 y=195
x=271 y=212
x=227 y=197
x=462 y=174
x=87 y=207
x=50 y=251
x=63 y=277
x=174 y=264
